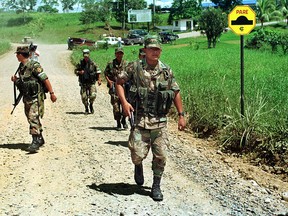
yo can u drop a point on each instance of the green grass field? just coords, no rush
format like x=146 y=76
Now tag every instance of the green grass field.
x=209 y=81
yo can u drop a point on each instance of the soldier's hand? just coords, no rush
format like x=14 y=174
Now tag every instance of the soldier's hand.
x=127 y=109
x=181 y=123
x=14 y=78
x=81 y=72
x=53 y=97
x=111 y=84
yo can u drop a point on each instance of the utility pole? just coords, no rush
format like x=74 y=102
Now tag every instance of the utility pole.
x=124 y=7
x=153 y=24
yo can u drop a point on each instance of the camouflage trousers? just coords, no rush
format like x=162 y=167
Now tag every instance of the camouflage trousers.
x=141 y=140
x=34 y=110
x=116 y=104
x=88 y=94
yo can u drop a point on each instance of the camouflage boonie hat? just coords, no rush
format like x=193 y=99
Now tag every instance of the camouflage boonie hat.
x=86 y=52
x=152 y=41
x=119 y=49
x=22 y=49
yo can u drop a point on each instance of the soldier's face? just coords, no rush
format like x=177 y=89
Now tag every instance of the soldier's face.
x=20 y=57
x=119 y=55
x=153 y=53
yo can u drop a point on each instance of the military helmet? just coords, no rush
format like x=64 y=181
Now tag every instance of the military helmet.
x=119 y=49
x=152 y=41
x=86 y=52
x=22 y=50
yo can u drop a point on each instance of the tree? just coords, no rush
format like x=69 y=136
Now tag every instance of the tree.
x=49 y=6
x=266 y=10
x=184 y=9
x=97 y=11
x=213 y=22
x=67 y=5
x=20 y=5
x=227 y=5
x=121 y=7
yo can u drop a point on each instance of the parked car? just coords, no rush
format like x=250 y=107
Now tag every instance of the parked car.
x=140 y=32
x=72 y=42
x=167 y=37
x=109 y=41
x=27 y=40
x=133 y=39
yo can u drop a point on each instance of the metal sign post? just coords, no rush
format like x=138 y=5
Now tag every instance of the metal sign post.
x=242 y=20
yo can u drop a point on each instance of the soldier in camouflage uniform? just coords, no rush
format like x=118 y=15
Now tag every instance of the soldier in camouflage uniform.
x=88 y=74
x=32 y=83
x=153 y=90
x=111 y=71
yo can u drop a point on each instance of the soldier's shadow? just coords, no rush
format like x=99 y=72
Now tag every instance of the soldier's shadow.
x=102 y=128
x=75 y=113
x=21 y=146
x=121 y=189
x=117 y=143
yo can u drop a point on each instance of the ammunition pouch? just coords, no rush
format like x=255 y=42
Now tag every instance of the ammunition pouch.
x=165 y=100
x=88 y=78
x=153 y=103
x=31 y=88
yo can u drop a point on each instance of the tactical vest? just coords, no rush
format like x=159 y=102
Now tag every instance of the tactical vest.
x=29 y=84
x=155 y=102
x=114 y=69
x=90 y=72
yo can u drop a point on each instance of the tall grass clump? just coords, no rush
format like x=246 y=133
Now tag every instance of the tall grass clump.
x=210 y=88
x=4 y=47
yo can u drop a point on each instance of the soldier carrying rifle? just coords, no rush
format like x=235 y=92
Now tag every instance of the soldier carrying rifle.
x=111 y=72
x=88 y=74
x=32 y=83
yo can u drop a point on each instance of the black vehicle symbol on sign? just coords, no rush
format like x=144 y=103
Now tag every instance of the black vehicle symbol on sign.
x=242 y=20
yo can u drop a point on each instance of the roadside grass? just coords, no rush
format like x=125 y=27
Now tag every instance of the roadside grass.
x=209 y=81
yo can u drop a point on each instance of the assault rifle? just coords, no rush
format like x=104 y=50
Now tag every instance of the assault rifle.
x=17 y=99
x=132 y=121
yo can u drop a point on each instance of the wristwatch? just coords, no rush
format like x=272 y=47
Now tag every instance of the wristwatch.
x=181 y=114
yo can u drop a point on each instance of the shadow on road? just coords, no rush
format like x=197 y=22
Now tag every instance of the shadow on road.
x=21 y=146
x=75 y=113
x=121 y=189
x=103 y=128
x=122 y=143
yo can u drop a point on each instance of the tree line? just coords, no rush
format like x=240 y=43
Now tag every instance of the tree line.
x=212 y=20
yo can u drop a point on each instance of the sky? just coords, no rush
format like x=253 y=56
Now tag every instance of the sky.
x=162 y=3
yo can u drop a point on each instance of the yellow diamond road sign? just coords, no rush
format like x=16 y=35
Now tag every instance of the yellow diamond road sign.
x=242 y=20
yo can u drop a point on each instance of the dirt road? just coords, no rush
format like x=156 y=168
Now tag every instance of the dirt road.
x=85 y=169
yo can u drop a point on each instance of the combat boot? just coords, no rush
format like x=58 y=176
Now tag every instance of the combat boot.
x=118 y=125
x=138 y=174
x=125 y=126
x=41 y=139
x=86 y=110
x=34 y=146
x=156 y=191
x=91 y=108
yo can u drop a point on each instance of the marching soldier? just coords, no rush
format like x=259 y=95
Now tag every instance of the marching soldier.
x=111 y=71
x=152 y=92
x=88 y=74
x=32 y=83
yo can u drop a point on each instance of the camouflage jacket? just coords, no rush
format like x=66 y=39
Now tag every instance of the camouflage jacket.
x=147 y=87
x=113 y=68
x=91 y=72
x=31 y=77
